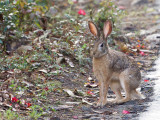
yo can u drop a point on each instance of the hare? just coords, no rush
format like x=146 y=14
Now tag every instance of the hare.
x=113 y=69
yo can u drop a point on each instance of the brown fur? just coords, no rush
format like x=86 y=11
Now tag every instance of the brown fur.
x=114 y=69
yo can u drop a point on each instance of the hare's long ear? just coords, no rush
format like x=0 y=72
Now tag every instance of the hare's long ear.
x=107 y=29
x=93 y=29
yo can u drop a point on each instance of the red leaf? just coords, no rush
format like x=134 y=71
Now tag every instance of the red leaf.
x=146 y=80
x=14 y=99
x=46 y=89
x=28 y=104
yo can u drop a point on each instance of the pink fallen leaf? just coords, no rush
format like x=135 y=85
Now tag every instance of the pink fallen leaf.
x=138 y=46
x=81 y=12
x=23 y=101
x=125 y=112
x=75 y=117
x=75 y=1
x=121 y=7
x=17 y=106
x=90 y=92
x=143 y=47
x=142 y=53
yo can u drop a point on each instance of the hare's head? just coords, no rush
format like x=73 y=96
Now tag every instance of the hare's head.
x=100 y=45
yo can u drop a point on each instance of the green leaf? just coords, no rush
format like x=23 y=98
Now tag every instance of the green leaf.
x=53 y=110
x=12 y=85
x=70 y=2
x=38 y=25
x=84 y=46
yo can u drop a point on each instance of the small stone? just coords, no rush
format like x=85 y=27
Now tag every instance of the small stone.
x=60 y=60
x=153 y=37
x=54 y=118
x=88 y=109
x=138 y=2
x=24 y=49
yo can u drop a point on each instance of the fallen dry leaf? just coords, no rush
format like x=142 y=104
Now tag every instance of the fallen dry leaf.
x=43 y=70
x=73 y=103
x=85 y=101
x=69 y=62
x=90 y=85
x=70 y=93
x=62 y=107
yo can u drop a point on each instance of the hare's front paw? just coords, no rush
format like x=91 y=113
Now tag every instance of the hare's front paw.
x=123 y=100
x=101 y=103
x=114 y=101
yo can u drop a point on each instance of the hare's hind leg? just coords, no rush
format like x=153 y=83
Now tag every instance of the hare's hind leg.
x=136 y=95
x=125 y=84
x=116 y=88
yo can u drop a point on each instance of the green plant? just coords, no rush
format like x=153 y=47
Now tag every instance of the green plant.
x=17 y=13
x=18 y=63
x=20 y=16
x=53 y=84
x=36 y=112
x=71 y=3
x=1 y=115
x=80 y=54
x=108 y=11
x=10 y=115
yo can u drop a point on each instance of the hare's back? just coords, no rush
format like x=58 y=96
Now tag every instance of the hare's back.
x=120 y=61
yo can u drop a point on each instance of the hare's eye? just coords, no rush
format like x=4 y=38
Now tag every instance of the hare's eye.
x=101 y=45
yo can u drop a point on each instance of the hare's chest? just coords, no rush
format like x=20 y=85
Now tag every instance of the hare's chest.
x=100 y=67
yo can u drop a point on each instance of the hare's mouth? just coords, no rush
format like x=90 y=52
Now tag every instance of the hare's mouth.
x=97 y=55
